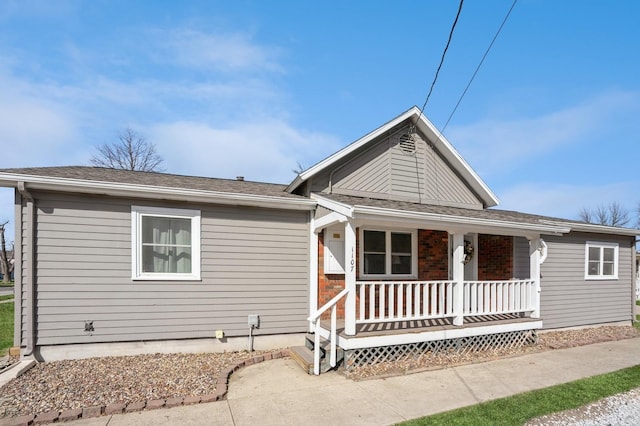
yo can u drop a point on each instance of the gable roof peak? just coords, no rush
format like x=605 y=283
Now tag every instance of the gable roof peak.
x=433 y=135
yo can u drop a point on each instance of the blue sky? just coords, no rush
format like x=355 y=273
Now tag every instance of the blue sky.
x=252 y=88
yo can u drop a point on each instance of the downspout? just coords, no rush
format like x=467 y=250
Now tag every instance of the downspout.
x=30 y=284
x=634 y=279
x=543 y=251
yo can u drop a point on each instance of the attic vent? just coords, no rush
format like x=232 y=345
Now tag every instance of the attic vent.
x=407 y=144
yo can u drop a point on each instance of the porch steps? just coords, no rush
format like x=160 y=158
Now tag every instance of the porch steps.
x=303 y=355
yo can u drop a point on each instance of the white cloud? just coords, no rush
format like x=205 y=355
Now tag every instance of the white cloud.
x=496 y=146
x=223 y=52
x=34 y=132
x=566 y=201
x=264 y=151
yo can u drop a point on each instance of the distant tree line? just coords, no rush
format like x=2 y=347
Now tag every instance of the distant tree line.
x=131 y=151
x=6 y=256
x=612 y=214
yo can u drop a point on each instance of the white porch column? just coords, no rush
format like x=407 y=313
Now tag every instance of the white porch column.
x=457 y=270
x=534 y=274
x=350 y=278
x=313 y=271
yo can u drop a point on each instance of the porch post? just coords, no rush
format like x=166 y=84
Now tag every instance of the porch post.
x=313 y=271
x=534 y=268
x=458 y=278
x=350 y=278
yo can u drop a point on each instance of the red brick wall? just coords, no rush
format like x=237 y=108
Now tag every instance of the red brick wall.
x=433 y=257
x=495 y=257
x=329 y=285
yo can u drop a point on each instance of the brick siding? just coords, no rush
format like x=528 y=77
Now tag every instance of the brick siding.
x=495 y=257
x=433 y=255
x=329 y=285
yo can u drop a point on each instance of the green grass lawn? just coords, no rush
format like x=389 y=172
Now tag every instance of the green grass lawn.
x=6 y=297
x=6 y=327
x=518 y=409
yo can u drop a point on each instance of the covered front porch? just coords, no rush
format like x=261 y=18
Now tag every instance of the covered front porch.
x=375 y=309
x=394 y=317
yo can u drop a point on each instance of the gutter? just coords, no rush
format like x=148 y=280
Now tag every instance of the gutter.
x=458 y=220
x=591 y=227
x=155 y=192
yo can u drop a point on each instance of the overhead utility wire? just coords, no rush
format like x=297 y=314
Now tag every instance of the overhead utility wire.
x=479 y=65
x=433 y=83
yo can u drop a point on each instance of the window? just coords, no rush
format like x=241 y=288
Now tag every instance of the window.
x=165 y=243
x=388 y=253
x=601 y=261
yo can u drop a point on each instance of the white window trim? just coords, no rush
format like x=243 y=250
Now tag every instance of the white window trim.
x=137 y=212
x=414 y=254
x=600 y=245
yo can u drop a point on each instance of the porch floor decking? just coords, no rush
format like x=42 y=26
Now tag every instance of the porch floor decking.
x=421 y=326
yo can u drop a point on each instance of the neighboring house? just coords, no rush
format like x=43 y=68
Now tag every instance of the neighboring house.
x=395 y=230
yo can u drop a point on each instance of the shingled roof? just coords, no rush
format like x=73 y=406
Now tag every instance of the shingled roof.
x=505 y=216
x=154 y=179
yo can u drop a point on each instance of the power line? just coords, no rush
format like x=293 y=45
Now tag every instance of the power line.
x=435 y=78
x=479 y=65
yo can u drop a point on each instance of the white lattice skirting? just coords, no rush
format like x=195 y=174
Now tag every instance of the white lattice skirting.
x=461 y=345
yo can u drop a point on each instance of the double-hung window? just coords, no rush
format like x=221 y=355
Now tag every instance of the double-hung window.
x=165 y=243
x=601 y=261
x=388 y=253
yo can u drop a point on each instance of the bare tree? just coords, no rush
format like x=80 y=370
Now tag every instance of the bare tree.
x=612 y=214
x=131 y=151
x=6 y=264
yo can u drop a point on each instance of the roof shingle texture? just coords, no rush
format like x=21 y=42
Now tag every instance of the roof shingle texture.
x=490 y=214
x=99 y=174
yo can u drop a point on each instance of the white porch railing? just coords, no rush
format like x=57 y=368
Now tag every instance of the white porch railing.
x=383 y=301
x=386 y=301
x=315 y=320
x=498 y=297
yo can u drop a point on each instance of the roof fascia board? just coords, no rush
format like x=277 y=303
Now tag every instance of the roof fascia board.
x=454 y=158
x=602 y=229
x=363 y=212
x=153 y=192
x=343 y=209
x=327 y=221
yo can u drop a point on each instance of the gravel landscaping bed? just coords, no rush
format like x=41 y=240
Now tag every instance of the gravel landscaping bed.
x=546 y=341
x=72 y=384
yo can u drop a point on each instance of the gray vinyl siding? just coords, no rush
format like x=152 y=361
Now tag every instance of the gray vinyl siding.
x=521 y=260
x=253 y=261
x=385 y=171
x=321 y=212
x=567 y=299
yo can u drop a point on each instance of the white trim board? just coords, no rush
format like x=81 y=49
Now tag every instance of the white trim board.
x=356 y=342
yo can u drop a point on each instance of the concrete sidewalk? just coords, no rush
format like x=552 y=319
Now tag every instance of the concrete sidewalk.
x=278 y=392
